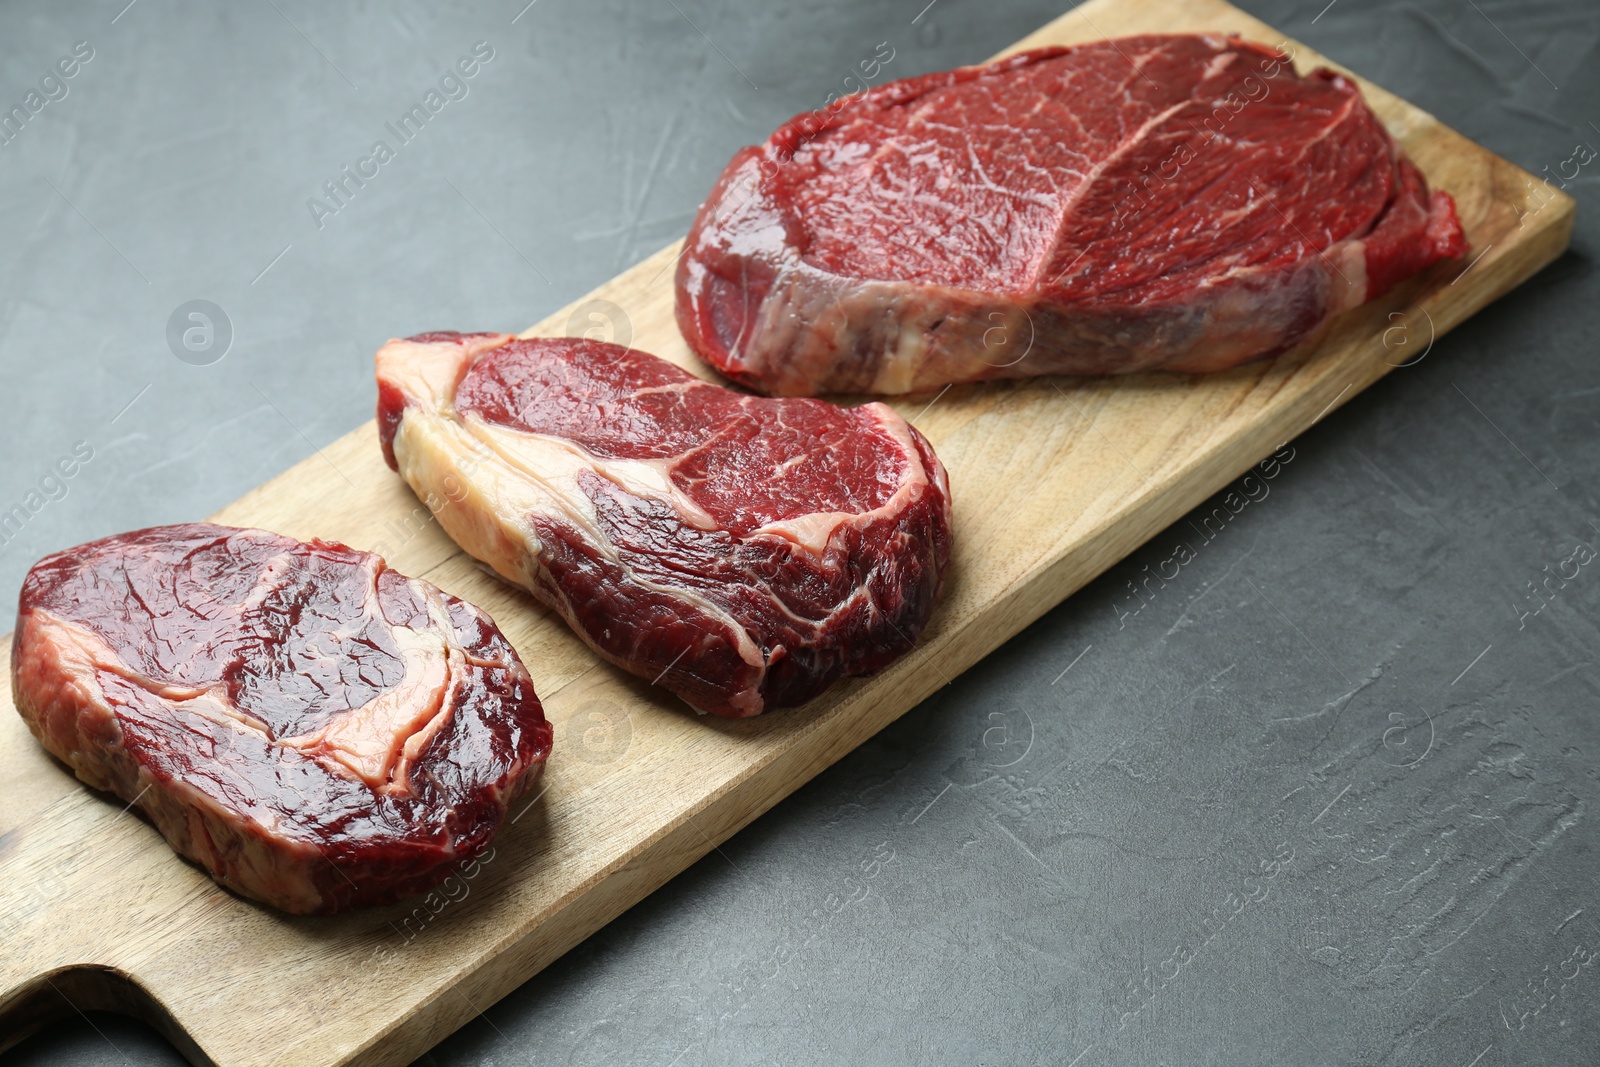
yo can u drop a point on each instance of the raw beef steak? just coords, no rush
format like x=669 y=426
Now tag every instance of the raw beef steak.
x=1185 y=203
x=315 y=730
x=742 y=552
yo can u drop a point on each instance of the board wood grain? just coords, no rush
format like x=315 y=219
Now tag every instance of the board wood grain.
x=1053 y=481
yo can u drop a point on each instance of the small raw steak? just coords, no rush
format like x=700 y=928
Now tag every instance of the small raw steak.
x=1181 y=203
x=315 y=730
x=742 y=552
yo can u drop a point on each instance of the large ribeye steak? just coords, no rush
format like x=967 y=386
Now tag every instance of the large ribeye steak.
x=1185 y=203
x=742 y=552
x=314 y=729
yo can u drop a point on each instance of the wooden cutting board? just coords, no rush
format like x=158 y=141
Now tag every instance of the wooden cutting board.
x=1054 y=480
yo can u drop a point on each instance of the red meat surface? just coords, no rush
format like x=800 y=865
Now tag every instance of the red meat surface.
x=1185 y=203
x=742 y=552
x=317 y=731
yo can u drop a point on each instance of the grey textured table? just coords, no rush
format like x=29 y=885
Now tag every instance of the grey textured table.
x=1329 y=798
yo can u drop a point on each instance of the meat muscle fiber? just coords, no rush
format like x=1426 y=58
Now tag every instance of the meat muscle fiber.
x=317 y=731
x=742 y=552
x=1182 y=203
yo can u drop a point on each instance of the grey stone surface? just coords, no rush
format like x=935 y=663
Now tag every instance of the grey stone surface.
x=1330 y=794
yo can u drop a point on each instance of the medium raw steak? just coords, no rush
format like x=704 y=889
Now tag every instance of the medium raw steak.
x=744 y=553
x=1185 y=203
x=317 y=731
